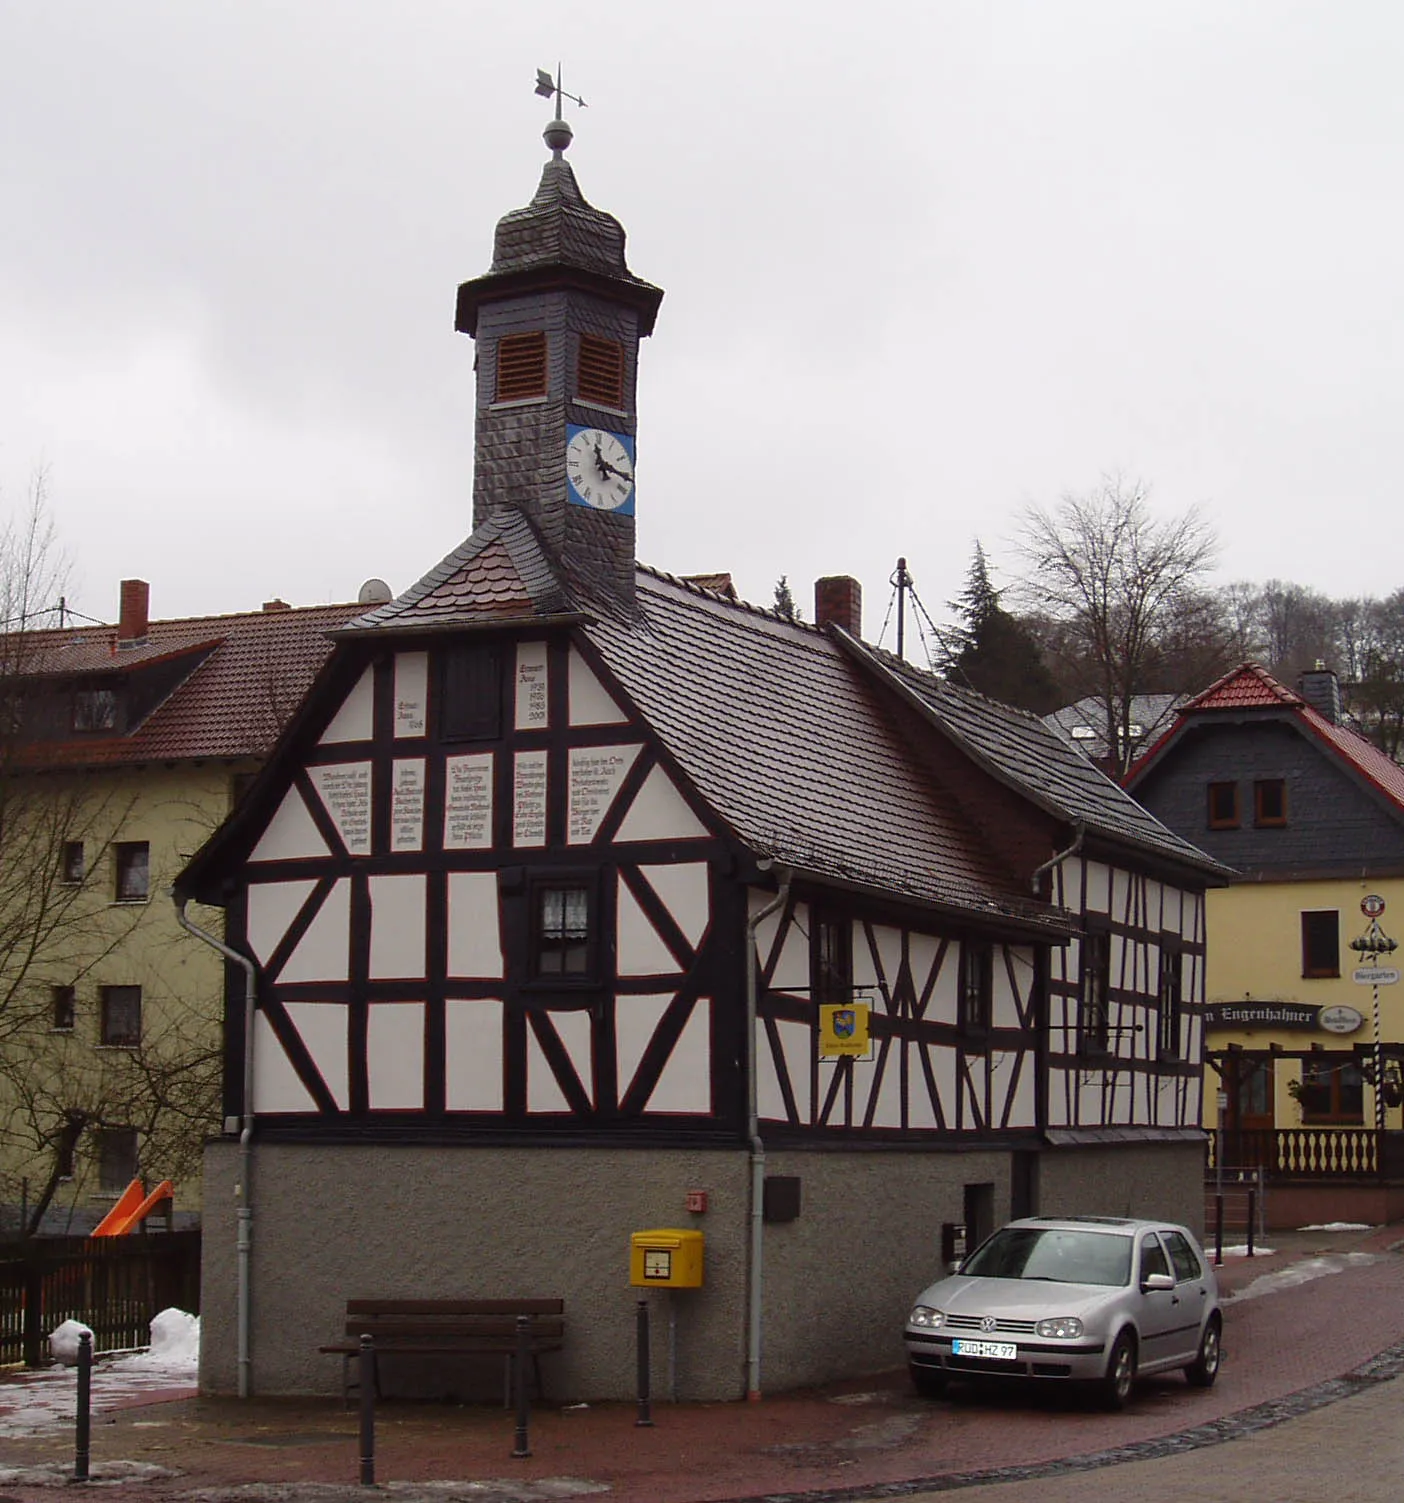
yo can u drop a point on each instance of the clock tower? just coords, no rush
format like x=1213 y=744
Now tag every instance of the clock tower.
x=558 y=318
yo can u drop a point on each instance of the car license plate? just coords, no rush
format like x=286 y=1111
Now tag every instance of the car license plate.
x=1001 y=1351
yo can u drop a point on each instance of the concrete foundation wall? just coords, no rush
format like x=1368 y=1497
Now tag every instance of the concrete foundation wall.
x=332 y=1223
x=1132 y=1179
x=839 y=1281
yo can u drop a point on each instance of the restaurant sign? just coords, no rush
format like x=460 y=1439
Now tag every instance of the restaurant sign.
x=1282 y=1015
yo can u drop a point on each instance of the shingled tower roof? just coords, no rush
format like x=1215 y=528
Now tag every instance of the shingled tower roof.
x=558 y=239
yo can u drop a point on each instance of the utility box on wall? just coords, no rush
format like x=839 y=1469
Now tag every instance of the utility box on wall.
x=666 y=1258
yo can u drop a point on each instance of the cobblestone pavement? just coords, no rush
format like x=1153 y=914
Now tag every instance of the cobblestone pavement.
x=1316 y=1358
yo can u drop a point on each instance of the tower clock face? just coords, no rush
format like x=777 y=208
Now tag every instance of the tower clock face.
x=600 y=469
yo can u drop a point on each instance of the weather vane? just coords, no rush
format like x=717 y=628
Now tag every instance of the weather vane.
x=546 y=87
x=557 y=134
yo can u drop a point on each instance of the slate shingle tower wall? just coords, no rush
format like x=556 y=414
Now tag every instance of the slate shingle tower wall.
x=558 y=267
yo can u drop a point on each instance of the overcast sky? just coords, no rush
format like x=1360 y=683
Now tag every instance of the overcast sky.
x=925 y=264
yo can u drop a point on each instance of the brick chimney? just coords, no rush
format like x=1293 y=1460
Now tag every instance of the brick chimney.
x=1321 y=689
x=838 y=599
x=135 y=616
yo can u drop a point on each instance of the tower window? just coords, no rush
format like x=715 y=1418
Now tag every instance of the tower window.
x=600 y=377
x=521 y=367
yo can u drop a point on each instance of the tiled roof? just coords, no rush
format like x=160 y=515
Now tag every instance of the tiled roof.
x=777 y=730
x=1248 y=686
x=1021 y=751
x=1252 y=687
x=85 y=651
x=233 y=704
x=499 y=573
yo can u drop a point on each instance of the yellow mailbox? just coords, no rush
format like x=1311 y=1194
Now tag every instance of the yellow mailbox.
x=668 y=1258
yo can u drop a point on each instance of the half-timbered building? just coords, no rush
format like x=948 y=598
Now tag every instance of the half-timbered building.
x=581 y=899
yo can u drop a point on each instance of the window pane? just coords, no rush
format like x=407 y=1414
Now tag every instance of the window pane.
x=1182 y=1256
x=72 y=861
x=562 y=931
x=117 y=1157
x=1321 y=946
x=976 y=987
x=133 y=870
x=64 y=1006
x=1270 y=802
x=1093 y=1019
x=1153 y=1258
x=121 y=1015
x=1223 y=805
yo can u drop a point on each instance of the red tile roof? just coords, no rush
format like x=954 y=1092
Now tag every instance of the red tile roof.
x=1248 y=686
x=234 y=702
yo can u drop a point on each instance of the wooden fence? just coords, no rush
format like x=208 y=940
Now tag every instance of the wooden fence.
x=114 y=1285
x=1321 y=1153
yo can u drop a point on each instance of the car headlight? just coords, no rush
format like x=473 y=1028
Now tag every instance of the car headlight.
x=924 y=1315
x=1063 y=1328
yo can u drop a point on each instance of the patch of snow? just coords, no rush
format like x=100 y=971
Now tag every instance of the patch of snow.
x=1302 y=1273
x=63 y=1342
x=1240 y=1250
x=1339 y=1226
x=32 y=1402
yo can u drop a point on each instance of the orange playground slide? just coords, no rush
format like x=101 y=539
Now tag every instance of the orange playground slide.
x=133 y=1207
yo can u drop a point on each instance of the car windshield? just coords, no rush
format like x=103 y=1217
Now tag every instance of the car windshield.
x=1055 y=1253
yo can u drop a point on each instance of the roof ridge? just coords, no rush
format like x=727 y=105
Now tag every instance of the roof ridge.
x=766 y=613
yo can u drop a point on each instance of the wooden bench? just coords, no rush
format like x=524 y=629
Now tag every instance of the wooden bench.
x=449 y=1328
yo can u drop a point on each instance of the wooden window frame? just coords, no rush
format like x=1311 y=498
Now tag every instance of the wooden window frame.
x=599 y=372
x=1170 y=1004
x=1261 y=794
x=1314 y=965
x=1328 y=1074
x=113 y=998
x=522 y=372
x=975 y=1003
x=1219 y=820
x=1094 y=994
x=129 y=857
x=539 y=971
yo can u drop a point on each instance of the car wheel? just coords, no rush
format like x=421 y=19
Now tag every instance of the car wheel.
x=1121 y=1372
x=928 y=1382
x=1205 y=1367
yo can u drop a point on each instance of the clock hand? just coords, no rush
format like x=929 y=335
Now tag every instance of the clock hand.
x=605 y=468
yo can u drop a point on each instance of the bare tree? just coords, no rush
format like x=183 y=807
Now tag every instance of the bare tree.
x=58 y=923
x=1117 y=581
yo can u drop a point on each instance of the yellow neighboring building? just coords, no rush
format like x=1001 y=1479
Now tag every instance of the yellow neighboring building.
x=126 y=748
x=1311 y=816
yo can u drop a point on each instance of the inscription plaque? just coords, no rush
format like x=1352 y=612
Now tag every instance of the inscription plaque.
x=468 y=802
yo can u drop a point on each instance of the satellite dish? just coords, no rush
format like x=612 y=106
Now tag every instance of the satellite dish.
x=374 y=592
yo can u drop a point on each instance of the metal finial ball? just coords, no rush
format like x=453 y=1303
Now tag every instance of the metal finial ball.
x=557 y=135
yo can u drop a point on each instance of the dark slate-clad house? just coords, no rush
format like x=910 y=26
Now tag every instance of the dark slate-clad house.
x=574 y=886
x=1311 y=817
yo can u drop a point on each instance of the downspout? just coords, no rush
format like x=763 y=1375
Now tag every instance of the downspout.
x=757 y=1249
x=243 y=1199
x=1079 y=831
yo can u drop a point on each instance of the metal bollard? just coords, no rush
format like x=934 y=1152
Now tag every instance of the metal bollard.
x=1252 y=1218
x=521 y=1444
x=365 y=1370
x=1218 y=1230
x=82 y=1442
x=645 y=1412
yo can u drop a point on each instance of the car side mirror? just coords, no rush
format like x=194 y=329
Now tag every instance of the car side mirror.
x=1157 y=1281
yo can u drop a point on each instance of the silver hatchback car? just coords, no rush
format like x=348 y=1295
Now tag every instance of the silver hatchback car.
x=1088 y=1299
